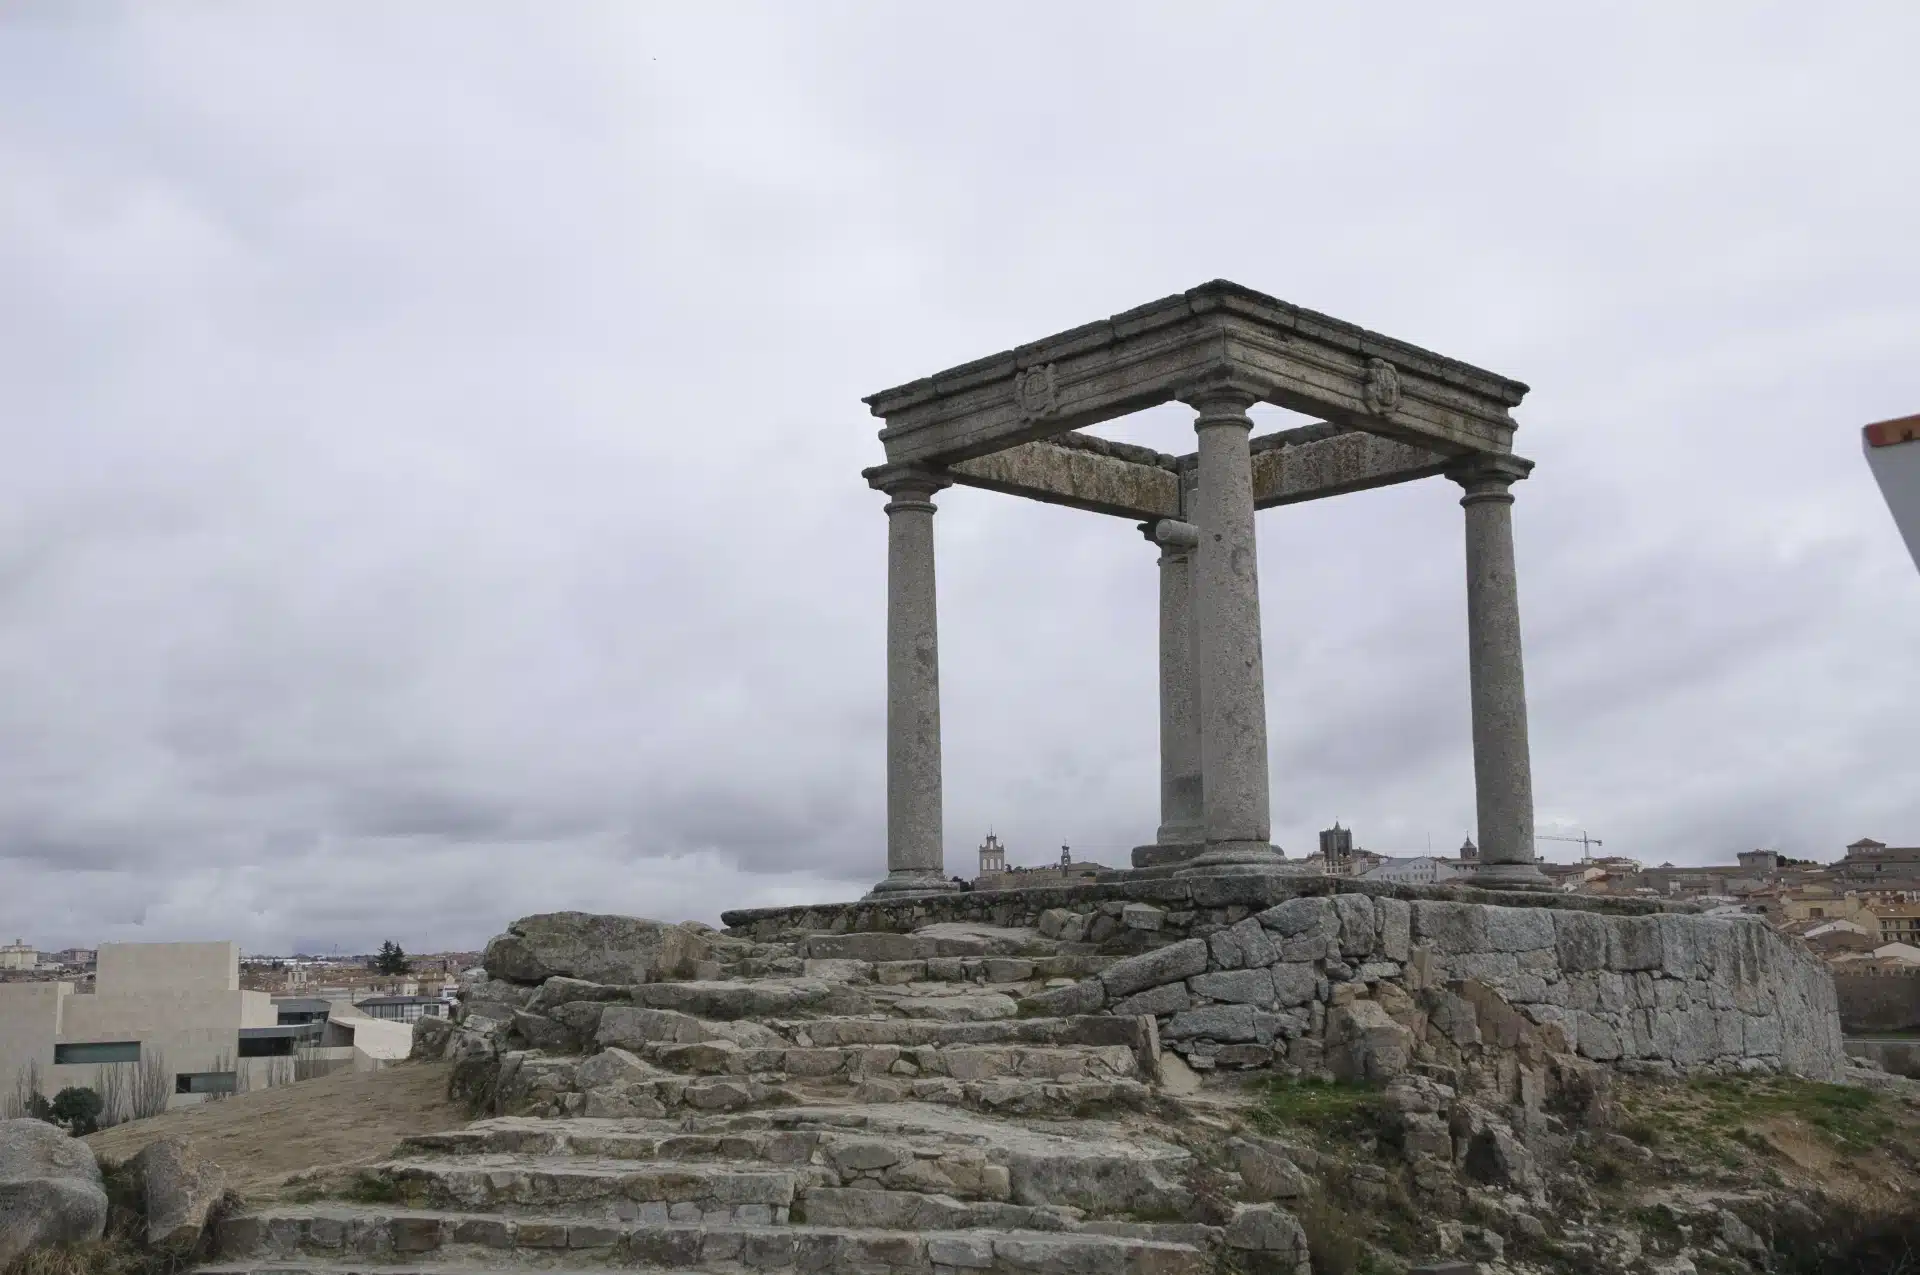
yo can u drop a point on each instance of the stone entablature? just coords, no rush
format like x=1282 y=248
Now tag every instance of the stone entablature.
x=1152 y=354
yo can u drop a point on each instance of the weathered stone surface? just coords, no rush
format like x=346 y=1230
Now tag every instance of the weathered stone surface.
x=180 y=1187
x=613 y=1066
x=1084 y=997
x=1142 y=916
x=1241 y=987
x=757 y=999
x=1364 y=1044
x=431 y=1033
x=601 y=949
x=1394 y=921
x=1301 y=916
x=1359 y=932
x=1263 y=1228
x=1171 y=964
x=634 y=1027
x=1519 y=929
x=1266 y=1173
x=50 y=1189
x=1581 y=938
x=977 y=1007
x=1170 y=999
x=542 y=1032
x=1007 y=969
x=1295 y=984
x=1450 y=929
x=1242 y=945
x=1493 y=1154
x=1215 y=1022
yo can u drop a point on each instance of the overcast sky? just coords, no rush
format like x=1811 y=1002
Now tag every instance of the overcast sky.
x=431 y=489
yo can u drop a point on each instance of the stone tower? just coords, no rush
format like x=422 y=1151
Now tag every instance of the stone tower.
x=1336 y=850
x=993 y=857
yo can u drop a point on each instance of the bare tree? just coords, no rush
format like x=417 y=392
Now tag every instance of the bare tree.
x=224 y=1062
x=27 y=1097
x=307 y=1062
x=152 y=1087
x=114 y=1083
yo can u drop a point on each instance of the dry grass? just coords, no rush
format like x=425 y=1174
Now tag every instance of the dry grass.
x=337 y=1121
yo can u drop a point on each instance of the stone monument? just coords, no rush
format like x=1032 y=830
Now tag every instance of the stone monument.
x=1390 y=413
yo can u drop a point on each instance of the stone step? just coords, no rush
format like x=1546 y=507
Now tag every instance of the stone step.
x=1096 y=1167
x=979 y=970
x=961 y=1062
x=869 y=1208
x=656 y=1191
x=1086 y=1029
x=928 y=943
x=691 y=1193
x=399 y=1236
x=301 y=1266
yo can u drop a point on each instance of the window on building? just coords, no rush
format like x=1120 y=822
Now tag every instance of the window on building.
x=203 y=1082
x=266 y=1046
x=106 y=1051
x=1816 y=911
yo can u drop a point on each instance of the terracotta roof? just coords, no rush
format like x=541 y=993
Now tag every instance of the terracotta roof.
x=1903 y=429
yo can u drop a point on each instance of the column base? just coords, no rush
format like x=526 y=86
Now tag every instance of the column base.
x=1166 y=854
x=1509 y=876
x=1234 y=858
x=904 y=882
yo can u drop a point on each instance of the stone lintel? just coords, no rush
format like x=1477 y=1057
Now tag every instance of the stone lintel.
x=1336 y=465
x=1076 y=477
x=1299 y=360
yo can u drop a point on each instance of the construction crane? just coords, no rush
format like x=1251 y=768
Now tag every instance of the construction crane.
x=1585 y=843
x=1893 y=454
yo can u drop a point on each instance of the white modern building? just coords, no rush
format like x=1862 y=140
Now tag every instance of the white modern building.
x=167 y=1024
x=1421 y=870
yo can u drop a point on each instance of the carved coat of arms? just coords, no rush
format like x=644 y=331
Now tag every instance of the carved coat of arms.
x=1382 y=388
x=1035 y=392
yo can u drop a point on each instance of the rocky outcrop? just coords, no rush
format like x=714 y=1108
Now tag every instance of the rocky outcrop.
x=50 y=1189
x=180 y=1188
x=599 y=949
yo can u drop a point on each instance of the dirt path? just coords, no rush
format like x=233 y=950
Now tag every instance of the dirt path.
x=344 y=1119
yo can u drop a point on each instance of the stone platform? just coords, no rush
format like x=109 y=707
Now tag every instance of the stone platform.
x=1187 y=901
x=1364 y=980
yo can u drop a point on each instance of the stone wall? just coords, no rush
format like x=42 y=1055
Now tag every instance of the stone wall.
x=1366 y=987
x=1900 y=1057
x=1879 y=1002
x=1187 y=904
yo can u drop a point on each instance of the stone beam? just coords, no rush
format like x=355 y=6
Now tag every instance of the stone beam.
x=1063 y=472
x=1324 y=460
x=1293 y=357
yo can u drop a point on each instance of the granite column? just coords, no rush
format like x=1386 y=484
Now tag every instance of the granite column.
x=1502 y=767
x=916 y=858
x=1182 y=830
x=1232 y=681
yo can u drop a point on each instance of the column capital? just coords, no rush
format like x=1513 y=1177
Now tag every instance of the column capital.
x=1487 y=476
x=1223 y=398
x=908 y=485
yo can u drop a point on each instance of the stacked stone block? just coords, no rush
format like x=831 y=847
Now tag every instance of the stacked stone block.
x=1367 y=986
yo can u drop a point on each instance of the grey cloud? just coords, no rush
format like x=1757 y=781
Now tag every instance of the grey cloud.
x=433 y=439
